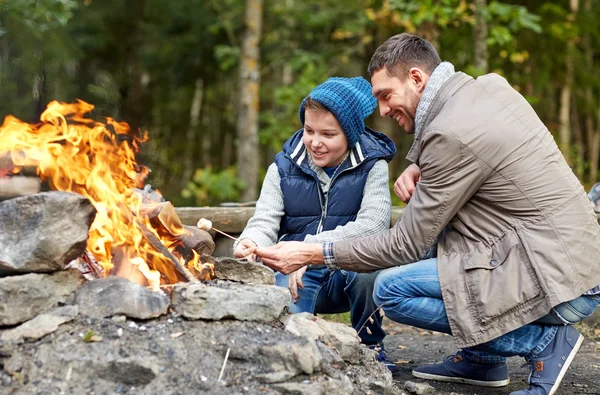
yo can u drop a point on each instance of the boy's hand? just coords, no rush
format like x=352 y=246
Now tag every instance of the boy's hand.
x=245 y=249
x=295 y=282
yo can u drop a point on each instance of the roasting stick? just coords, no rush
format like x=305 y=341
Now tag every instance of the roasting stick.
x=223 y=233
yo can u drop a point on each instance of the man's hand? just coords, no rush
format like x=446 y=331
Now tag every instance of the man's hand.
x=288 y=256
x=404 y=187
x=245 y=249
x=295 y=282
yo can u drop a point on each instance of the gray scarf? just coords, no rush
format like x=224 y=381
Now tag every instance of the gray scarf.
x=438 y=78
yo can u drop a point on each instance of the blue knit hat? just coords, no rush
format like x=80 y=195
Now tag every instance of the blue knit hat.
x=350 y=101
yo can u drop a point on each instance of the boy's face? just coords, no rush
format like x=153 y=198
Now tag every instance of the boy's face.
x=324 y=138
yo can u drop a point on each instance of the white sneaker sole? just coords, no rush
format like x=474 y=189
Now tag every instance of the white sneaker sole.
x=566 y=365
x=429 y=376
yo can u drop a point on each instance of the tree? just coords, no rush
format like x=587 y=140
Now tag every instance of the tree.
x=480 y=36
x=565 y=96
x=247 y=120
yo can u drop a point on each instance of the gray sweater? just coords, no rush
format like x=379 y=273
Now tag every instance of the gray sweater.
x=373 y=217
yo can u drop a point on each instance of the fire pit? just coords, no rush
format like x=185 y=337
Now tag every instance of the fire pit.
x=104 y=290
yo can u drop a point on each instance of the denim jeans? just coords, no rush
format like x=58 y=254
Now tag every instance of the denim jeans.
x=411 y=295
x=327 y=292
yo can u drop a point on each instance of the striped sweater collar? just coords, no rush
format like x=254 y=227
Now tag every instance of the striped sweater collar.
x=301 y=157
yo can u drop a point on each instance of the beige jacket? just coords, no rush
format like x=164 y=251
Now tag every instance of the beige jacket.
x=522 y=235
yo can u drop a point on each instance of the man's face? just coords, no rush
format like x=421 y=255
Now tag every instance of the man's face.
x=324 y=138
x=399 y=99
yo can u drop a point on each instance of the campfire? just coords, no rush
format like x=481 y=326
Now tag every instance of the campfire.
x=135 y=234
x=60 y=333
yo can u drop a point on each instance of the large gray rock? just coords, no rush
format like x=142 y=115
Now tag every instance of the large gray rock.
x=242 y=271
x=338 y=336
x=40 y=326
x=230 y=301
x=42 y=233
x=286 y=360
x=114 y=295
x=24 y=297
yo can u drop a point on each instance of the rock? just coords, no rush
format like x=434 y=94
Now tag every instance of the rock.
x=241 y=271
x=340 y=337
x=328 y=386
x=287 y=360
x=40 y=326
x=23 y=297
x=42 y=233
x=379 y=378
x=114 y=295
x=418 y=388
x=230 y=301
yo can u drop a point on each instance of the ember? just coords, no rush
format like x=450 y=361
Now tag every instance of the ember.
x=77 y=154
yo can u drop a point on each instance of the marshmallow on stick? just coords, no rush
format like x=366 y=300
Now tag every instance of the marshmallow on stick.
x=204 y=224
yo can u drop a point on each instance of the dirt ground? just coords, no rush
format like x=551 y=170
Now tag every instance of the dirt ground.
x=411 y=347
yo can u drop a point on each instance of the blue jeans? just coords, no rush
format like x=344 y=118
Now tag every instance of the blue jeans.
x=411 y=295
x=327 y=292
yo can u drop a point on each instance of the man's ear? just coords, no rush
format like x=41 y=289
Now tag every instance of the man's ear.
x=419 y=78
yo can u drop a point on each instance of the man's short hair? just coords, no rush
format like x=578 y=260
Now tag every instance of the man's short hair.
x=402 y=52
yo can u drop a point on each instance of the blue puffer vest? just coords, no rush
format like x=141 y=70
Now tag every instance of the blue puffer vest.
x=308 y=210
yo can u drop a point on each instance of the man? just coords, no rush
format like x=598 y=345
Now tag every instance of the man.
x=518 y=244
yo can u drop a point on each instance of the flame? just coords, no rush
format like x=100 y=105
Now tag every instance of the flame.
x=97 y=160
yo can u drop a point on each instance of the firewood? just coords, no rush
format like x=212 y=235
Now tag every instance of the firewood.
x=156 y=243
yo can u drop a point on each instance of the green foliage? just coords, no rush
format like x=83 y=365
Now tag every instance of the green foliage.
x=142 y=65
x=37 y=16
x=210 y=187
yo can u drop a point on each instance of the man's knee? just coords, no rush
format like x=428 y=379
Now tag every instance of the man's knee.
x=382 y=285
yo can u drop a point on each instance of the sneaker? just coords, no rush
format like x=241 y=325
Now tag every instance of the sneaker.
x=383 y=358
x=457 y=369
x=549 y=367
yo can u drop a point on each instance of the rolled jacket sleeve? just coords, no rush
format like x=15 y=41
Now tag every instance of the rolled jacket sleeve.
x=450 y=175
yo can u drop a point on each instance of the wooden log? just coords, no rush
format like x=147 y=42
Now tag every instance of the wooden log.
x=6 y=163
x=15 y=186
x=233 y=220
x=226 y=219
x=160 y=247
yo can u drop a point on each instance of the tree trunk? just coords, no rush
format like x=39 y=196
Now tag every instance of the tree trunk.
x=430 y=31
x=565 y=96
x=247 y=121
x=595 y=151
x=579 y=160
x=480 y=33
x=133 y=68
x=190 y=138
x=592 y=132
x=39 y=92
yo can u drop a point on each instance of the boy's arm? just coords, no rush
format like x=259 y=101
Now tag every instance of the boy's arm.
x=375 y=211
x=263 y=227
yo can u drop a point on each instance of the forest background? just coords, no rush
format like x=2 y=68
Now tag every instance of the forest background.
x=217 y=83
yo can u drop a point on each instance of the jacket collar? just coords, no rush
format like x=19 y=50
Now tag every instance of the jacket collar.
x=301 y=157
x=453 y=85
x=372 y=144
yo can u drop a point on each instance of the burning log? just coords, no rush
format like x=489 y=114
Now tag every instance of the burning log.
x=160 y=247
x=7 y=165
